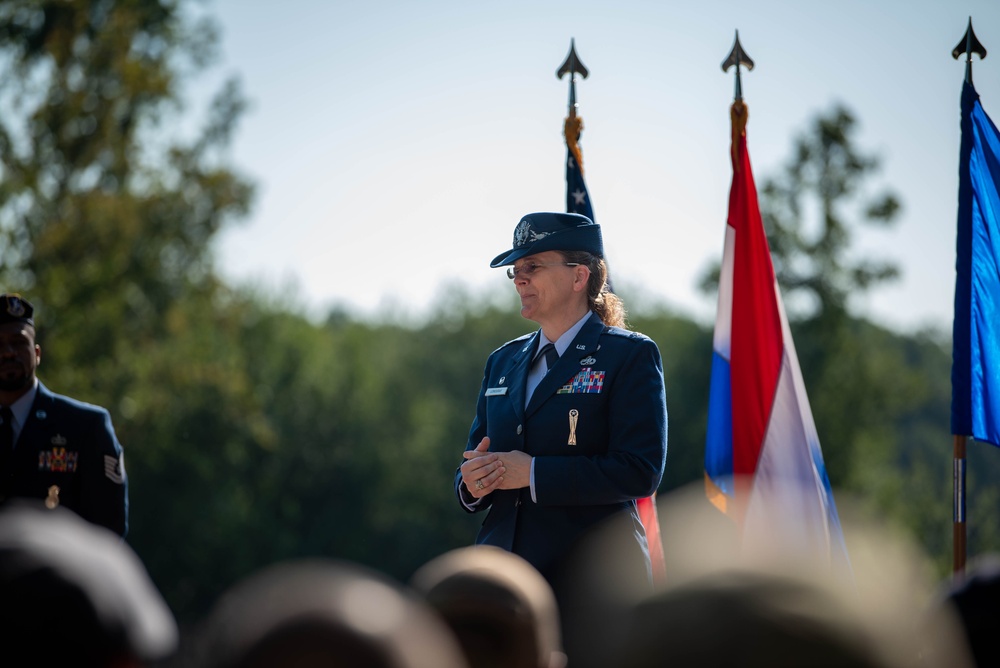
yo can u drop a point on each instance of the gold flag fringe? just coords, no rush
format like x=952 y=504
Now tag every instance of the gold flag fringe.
x=738 y=114
x=572 y=130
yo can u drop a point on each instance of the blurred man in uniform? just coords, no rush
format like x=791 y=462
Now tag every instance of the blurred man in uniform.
x=54 y=448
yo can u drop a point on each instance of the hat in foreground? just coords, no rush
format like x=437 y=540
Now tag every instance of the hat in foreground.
x=539 y=232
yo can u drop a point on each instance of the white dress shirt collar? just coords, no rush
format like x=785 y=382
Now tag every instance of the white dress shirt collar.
x=22 y=408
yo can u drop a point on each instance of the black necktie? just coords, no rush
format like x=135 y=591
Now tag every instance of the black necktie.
x=6 y=447
x=551 y=356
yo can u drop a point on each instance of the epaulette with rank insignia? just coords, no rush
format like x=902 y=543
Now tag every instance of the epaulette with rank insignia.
x=627 y=333
x=514 y=341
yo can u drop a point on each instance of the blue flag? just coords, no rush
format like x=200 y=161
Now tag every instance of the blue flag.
x=975 y=371
x=577 y=197
x=578 y=201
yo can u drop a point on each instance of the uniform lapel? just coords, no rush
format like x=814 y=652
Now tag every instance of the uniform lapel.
x=41 y=408
x=517 y=376
x=585 y=343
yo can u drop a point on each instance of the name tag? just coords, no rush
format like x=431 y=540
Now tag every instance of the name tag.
x=495 y=391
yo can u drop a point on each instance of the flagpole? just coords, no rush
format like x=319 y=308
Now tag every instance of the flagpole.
x=577 y=196
x=958 y=504
x=572 y=66
x=578 y=201
x=737 y=56
x=762 y=450
x=738 y=117
x=572 y=129
x=967 y=45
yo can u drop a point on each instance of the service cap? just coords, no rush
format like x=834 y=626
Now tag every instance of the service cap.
x=15 y=308
x=544 y=231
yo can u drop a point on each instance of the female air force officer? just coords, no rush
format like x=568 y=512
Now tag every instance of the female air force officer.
x=563 y=443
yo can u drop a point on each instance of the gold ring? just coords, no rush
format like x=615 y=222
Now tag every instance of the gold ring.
x=479 y=484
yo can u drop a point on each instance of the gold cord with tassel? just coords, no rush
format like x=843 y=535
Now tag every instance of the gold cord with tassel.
x=572 y=131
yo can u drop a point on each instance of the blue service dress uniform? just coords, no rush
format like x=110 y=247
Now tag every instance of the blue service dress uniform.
x=613 y=379
x=68 y=451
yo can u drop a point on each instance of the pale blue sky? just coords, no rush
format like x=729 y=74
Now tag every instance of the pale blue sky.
x=396 y=144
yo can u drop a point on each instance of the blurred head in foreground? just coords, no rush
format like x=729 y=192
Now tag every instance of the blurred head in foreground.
x=500 y=607
x=73 y=593
x=731 y=599
x=746 y=619
x=312 y=613
x=975 y=597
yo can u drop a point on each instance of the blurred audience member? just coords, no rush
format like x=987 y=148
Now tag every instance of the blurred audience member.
x=500 y=607
x=749 y=620
x=751 y=601
x=73 y=594
x=975 y=597
x=313 y=613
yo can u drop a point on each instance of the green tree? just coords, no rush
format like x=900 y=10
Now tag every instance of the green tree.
x=811 y=236
x=97 y=205
x=804 y=215
x=106 y=219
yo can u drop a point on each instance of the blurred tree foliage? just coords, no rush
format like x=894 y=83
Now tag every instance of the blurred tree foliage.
x=803 y=209
x=812 y=210
x=254 y=433
x=106 y=221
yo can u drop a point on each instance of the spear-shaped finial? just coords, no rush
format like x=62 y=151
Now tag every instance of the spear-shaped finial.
x=573 y=66
x=737 y=57
x=968 y=45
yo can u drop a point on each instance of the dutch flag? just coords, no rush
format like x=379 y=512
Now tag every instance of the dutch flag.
x=763 y=463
